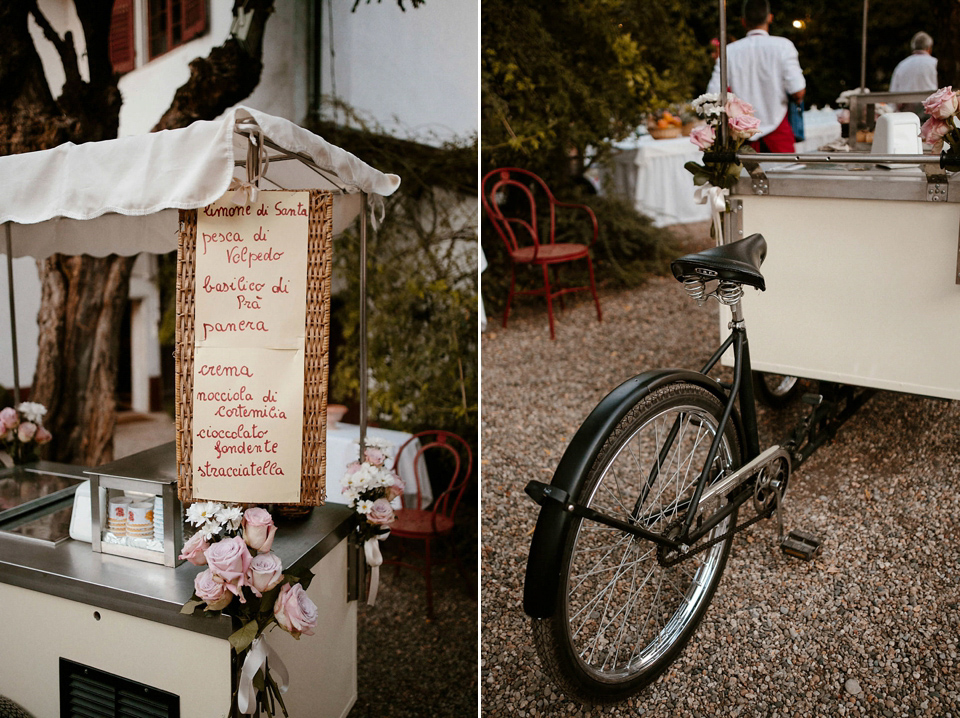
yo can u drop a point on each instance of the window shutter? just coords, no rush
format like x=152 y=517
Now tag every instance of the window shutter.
x=122 y=48
x=194 y=19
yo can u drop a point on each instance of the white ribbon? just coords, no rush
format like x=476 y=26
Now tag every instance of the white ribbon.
x=257 y=157
x=376 y=203
x=256 y=659
x=6 y=459
x=371 y=551
x=244 y=193
x=716 y=199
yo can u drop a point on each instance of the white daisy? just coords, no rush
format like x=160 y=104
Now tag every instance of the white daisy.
x=230 y=516
x=32 y=411
x=202 y=511
x=364 y=506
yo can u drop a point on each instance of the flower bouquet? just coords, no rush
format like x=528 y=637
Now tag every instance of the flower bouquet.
x=22 y=433
x=371 y=487
x=942 y=126
x=246 y=579
x=720 y=169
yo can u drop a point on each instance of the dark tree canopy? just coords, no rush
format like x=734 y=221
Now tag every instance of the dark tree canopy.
x=558 y=76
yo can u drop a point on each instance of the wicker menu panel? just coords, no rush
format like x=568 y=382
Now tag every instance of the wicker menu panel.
x=316 y=350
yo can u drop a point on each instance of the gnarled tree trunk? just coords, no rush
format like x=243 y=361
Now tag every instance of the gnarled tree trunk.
x=84 y=297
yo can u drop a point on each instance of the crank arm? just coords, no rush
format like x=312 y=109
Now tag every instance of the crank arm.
x=545 y=494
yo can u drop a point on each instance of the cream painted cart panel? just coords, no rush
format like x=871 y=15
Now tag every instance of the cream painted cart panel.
x=859 y=292
x=194 y=666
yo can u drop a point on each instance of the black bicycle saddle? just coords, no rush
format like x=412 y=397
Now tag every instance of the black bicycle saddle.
x=735 y=262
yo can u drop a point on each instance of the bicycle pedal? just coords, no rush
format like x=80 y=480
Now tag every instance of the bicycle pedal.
x=801 y=545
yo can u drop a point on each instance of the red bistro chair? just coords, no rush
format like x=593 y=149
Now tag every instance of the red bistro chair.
x=436 y=521
x=521 y=235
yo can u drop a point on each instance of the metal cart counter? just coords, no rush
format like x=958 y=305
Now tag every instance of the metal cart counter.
x=122 y=617
x=861 y=274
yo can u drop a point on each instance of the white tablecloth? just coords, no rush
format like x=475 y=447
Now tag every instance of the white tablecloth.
x=342 y=449
x=650 y=172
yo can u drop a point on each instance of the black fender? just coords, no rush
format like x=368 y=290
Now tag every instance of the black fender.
x=543 y=564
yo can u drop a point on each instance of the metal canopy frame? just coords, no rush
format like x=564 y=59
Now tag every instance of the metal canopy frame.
x=257 y=159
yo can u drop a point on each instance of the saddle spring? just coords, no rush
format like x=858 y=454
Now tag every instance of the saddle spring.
x=695 y=288
x=728 y=293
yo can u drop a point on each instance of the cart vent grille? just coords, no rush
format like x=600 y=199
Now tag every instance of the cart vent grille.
x=86 y=692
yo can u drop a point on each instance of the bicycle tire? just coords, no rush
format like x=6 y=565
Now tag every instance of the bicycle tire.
x=568 y=641
x=776 y=390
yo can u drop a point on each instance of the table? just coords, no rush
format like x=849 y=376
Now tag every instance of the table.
x=342 y=449
x=650 y=172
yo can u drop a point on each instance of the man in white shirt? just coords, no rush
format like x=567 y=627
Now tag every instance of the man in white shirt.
x=764 y=70
x=918 y=72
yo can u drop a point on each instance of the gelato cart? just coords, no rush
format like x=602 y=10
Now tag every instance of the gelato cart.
x=92 y=625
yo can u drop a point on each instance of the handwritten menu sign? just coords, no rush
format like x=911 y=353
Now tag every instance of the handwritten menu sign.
x=248 y=366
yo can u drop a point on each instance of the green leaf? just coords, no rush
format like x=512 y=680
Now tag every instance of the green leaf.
x=694 y=167
x=192 y=605
x=306 y=578
x=242 y=638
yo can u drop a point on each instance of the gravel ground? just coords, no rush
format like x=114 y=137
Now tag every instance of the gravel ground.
x=409 y=667
x=870 y=627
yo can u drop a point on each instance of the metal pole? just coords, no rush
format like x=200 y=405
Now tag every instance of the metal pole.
x=13 y=319
x=725 y=224
x=724 y=130
x=863 y=49
x=363 y=323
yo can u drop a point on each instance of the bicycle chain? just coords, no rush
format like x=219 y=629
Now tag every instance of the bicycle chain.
x=662 y=550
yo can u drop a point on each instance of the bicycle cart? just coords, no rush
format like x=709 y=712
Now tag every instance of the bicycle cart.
x=861 y=292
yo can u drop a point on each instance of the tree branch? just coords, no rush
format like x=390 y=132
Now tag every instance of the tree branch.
x=64 y=46
x=225 y=77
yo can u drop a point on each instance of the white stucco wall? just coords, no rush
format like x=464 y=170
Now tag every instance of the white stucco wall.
x=415 y=73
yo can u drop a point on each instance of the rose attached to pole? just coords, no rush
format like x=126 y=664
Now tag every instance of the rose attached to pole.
x=370 y=488
x=721 y=168
x=942 y=127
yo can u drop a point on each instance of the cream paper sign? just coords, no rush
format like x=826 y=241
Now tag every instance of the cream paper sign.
x=251 y=269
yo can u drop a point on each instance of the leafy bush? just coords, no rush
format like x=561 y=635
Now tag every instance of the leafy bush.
x=421 y=316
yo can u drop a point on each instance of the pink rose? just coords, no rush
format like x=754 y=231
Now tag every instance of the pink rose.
x=353 y=467
x=396 y=488
x=229 y=559
x=26 y=431
x=295 y=611
x=9 y=418
x=258 y=529
x=941 y=104
x=737 y=107
x=194 y=548
x=42 y=436
x=211 y=591
x=266 y=571
x=381 y=513
x=374 y=456
x=743 y=127
x=933 y=131
x=703 y=136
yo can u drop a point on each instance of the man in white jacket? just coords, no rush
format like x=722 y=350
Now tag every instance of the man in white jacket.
x=764 y=70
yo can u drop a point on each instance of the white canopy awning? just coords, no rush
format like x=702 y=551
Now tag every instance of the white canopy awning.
x=133 y=186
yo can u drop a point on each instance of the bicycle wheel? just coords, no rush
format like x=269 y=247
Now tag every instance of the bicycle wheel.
x=621 y=616
x=776 y=390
